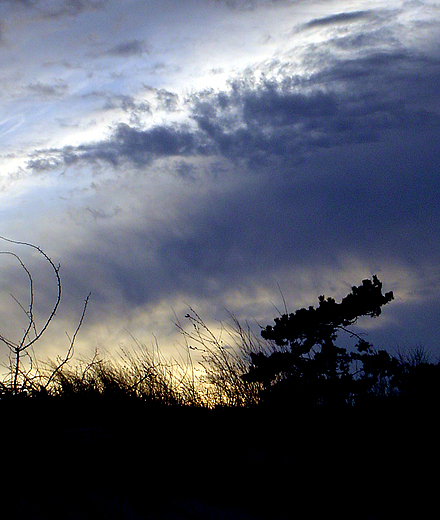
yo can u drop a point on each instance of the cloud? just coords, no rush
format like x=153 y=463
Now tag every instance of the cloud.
x=138 y=146
x=167 y=100
x=73 y=7
x=283 y=123
x=22 y=2
x=47 y=90
x=245 y=5
x=129 y=48
x=277 y=123
x=345 y=104
x=124 y=102
x=158 y=141
x=56 y=8
x=338 y=18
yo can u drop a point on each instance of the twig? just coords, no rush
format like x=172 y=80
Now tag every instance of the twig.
x=26 y=342
x=69 y=353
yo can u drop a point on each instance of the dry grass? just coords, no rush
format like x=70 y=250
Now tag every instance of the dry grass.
x=137 y=373
x=207 y=374
x=225 y=359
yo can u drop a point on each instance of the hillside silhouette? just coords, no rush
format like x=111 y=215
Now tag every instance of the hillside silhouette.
x=286 y=426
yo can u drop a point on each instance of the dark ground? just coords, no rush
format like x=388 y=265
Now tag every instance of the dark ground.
x=122 y=459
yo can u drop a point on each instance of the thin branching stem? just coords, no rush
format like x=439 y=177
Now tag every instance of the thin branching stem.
x=18 y=349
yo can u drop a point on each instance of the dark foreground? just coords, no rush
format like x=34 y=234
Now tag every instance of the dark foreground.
x=123 y=459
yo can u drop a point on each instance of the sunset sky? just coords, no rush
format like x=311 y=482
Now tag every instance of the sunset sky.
x=219 y=154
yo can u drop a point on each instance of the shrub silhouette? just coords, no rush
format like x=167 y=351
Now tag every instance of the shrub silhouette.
x=310 y=368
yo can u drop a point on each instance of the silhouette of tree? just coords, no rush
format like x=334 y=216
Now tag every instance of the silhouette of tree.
x=309 y=367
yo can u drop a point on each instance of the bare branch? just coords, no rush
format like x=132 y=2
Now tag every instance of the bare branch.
x=26 y=342
x=58 y=280
x=28 y=313
x=69 y=353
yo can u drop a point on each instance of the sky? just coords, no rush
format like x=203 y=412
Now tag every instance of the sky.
x=220 y=155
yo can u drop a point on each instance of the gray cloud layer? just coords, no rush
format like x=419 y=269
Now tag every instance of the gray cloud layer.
x=316 y=150
x=290 y=122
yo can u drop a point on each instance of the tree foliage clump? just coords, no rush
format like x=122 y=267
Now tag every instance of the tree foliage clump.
x=309 y=367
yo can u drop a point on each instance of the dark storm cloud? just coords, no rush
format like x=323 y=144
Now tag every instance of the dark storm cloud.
x=351 y=101
x=156 y=142
x=273 y=123
x=360 y=148
x=345 y=165
x=282 y=124
x=139 y=146
x=350 y=170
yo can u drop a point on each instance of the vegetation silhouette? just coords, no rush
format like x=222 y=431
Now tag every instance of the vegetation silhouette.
x=310 y=369
x=23 y=374
x=285 y=425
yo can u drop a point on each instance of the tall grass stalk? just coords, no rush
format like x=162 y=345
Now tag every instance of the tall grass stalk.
x=225 y=358
x=137 y=372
